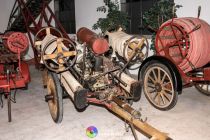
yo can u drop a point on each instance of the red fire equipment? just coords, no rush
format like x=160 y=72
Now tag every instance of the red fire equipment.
x=14 y=72
x=98 y=45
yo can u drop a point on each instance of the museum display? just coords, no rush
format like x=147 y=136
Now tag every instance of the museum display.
x=94 y=69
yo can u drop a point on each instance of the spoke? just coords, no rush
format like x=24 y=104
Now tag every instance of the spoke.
x=164 y=84
x=49 y=56
x=154 y=75
x=163 y=78
x=151 y=86
x=158 y=99
x=166 y=89
x=153 y=80
x=159 y=78
x=59 y=48
x=151 y=91
x=162 y=97
x=70 y=53
x=154 y=98
x=166 y=95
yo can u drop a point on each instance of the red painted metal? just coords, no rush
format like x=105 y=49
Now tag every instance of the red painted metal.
x=17 y=80
x=207 y=73
x=185 y=41
x=98 y=45
x=15 y=41
x=14 y=44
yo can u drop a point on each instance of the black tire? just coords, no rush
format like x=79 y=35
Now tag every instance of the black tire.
x=201 y=88
x=56 y=92
x=162 y=85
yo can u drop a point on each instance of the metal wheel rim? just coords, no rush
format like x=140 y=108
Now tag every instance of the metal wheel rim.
x=204 y=88
x=53 y=104
x=159 y=97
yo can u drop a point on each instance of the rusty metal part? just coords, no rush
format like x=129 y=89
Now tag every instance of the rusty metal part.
x=16 y=41
x=126 y=112
x=181 y=40
x=97 y=44
x=7 y=57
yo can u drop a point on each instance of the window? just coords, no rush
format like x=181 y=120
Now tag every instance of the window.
x=65 y=13
x=135 y=10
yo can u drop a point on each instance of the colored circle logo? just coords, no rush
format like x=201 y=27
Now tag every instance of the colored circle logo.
x=91 y=132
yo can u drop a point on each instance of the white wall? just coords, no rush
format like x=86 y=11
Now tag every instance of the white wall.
x=5 y=10
x=190 y=9
x=86 y=14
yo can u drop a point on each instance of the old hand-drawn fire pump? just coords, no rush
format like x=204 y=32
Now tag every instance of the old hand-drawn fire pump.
x=14 y=72
x=91 y=72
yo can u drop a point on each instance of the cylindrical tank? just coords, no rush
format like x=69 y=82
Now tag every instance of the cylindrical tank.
x=98 y=45
x=186 y=41
x=16 y=41
x=124 y=44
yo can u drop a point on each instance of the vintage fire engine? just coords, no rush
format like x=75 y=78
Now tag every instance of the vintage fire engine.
x=181 y=60
x=14 y=72
x=91 y=72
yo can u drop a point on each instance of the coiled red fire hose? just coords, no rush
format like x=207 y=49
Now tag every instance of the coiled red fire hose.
x=186 y=41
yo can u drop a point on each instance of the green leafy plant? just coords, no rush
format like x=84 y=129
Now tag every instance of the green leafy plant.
x=114 y=19
x=161 y=11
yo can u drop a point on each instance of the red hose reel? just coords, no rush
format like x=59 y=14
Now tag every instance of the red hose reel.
x=16 y=41
x=186 y=41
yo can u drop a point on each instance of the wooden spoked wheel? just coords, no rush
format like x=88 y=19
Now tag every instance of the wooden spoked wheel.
x=139 y=48
x=41 y=34
x=54 y=97
x=62 y=58
x=204 y=88
x=159 y=86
